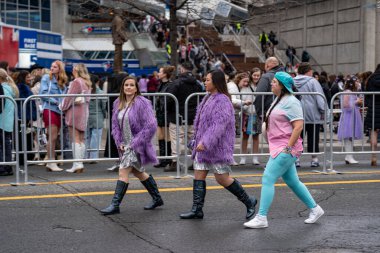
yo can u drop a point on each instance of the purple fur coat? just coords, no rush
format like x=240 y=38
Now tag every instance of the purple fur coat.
x=143 y=127
x=214 y=127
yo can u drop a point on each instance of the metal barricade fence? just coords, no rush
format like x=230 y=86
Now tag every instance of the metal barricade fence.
x=63 y=149
x=8 y=150
x=368 y=104
x=263 y=148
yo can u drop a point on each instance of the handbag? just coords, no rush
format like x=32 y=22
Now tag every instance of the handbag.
x=80 y=99
x=264 y=131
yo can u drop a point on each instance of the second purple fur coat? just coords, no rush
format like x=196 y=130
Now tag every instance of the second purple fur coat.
x=143 y=127
x=214 y=127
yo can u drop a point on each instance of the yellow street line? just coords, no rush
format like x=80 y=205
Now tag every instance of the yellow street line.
x=217 y=187
x=167 y=178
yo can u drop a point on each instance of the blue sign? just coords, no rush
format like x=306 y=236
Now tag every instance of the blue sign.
x=27 y=39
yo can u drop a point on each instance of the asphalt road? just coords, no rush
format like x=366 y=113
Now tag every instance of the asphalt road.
x=61 y=214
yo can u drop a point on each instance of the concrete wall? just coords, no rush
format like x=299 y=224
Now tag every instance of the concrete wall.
x=341 y=35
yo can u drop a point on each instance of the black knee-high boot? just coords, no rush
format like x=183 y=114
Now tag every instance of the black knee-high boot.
x=199 y=193
x=121 y=189
x=250 y=202
x=151 y=185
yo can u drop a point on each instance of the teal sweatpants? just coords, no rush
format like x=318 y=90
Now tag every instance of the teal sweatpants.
x=282 y=166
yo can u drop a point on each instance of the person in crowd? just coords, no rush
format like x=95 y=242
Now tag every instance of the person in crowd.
x=53 y=83
x=133 y=128
x=164 y=75
x=7 y=119
x=263 y=102
x=263 y=39
x=214 y=146
x=290 y=53
x=185 y=85
x=153 y=83
x=251 y=122
x=269 y=52
x=97 y=114
x=350 y=123
x=326 y=89
x=143 y=83
x=242 y=81
x=284 y=123
x=372 y=119
x=114 y=83
x=305 y=57
x=313 y=106
x=364 y=79
x=5 y=65
x=272 y=38
x=76 y=114
x=30 y=115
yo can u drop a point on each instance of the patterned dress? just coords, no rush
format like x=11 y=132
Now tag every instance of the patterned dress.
x=129 y=158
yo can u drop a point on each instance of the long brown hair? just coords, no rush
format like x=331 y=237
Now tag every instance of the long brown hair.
x=219 y=81
x=123 y=97
x=62 y=77
x=4 y=77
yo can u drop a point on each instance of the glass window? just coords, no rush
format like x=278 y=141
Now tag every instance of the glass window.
x=34 y=3
x=10 y=6
x=35 y=25
x=125 y=54
x=26 y=2
x=35 y=17
x=45 y=4
x=22 y=7
x=132 y=56
x=111 y=55
x=23 y=23
x=102 y=55
x=23 y=15
x=88 y=54
x=45 y=16
x=12 y=21
x=45 y=26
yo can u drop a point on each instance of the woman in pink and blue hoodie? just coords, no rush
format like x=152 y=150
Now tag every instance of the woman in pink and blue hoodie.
x=214 y=139
x=133 y=127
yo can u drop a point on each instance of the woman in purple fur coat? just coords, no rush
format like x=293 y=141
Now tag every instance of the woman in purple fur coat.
x=133 y=127
x=214 y=137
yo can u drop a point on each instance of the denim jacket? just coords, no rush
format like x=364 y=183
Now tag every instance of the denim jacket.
x=50 y=87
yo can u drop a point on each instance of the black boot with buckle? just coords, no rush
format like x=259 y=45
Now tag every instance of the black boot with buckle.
x=250 y=202
x=121 y=189
x=151 y=185
x=199 y=193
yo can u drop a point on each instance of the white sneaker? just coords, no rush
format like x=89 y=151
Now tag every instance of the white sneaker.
x=255 y=161
x=234 y=163
x=315 y=214
x=242 y=161
x=257 y=222
x=114 y=168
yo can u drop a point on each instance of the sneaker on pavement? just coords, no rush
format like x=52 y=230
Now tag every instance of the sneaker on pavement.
x=314 y=164
x=242 y=161
x=255 y=161
x=315 y=214
x=257 y=222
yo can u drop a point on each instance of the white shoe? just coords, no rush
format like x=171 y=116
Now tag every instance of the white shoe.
x=242 y=161
x=115 y=167
x=75 y=169
x=255 y=161
x=257 y=222
x=78 y=153
x=234 y=163
x=53 y=167
x=350 y=160
x=315 y=214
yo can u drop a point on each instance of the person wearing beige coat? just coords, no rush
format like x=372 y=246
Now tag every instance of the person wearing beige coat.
x=76 y=114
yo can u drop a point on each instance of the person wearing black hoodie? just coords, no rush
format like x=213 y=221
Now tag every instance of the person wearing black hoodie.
x=272 y=66
x=185 y=85
x=373 y=113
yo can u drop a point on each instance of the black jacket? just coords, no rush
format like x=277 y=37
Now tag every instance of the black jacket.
x=373 y=85
x=181 y=88
x=264 y=85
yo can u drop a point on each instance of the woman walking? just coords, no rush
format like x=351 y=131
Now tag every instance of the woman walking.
x=76 y=114
x=53 y=83
x=350 y=123
x=284 y=123
x=133 y=127
x=213 y=148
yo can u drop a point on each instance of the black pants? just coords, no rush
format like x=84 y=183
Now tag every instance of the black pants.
x=6 y=146
x=312 y=134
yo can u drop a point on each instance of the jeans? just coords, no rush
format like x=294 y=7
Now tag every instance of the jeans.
x=94 y=139
x=5 y=149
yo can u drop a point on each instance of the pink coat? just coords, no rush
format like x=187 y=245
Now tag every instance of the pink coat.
x=76 y=114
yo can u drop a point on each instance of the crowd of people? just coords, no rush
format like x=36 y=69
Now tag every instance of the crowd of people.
x=284 y=119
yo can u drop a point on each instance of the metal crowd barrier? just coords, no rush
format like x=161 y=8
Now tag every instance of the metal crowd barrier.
x=364 y=148
x=14 y=140
x=63 y=136
x=263 y=148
